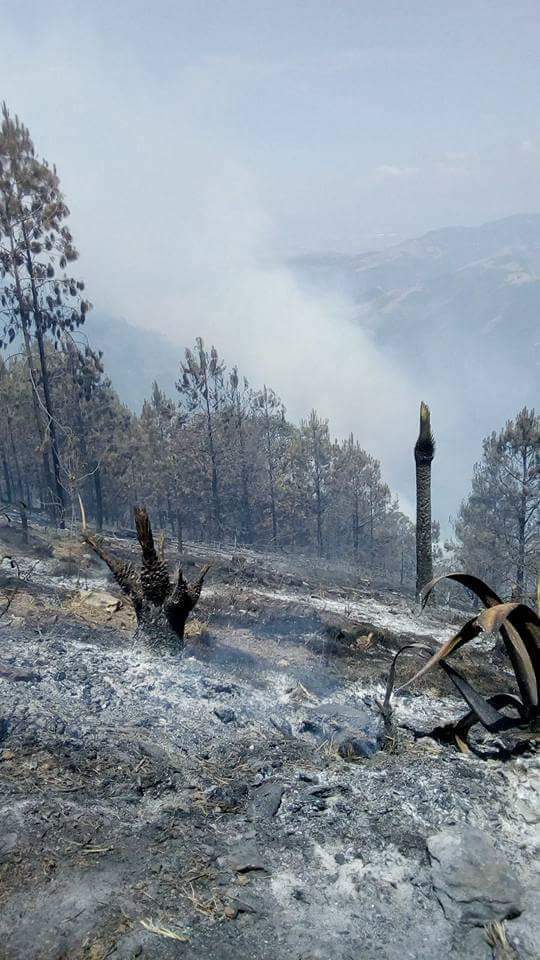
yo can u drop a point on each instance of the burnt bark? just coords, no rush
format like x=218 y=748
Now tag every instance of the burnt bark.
x=98 y=497
x=7 y=476
x=161 y=606
x=24 y=520
x=424 y=452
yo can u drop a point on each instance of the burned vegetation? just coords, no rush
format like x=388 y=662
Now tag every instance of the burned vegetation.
x=519 y=627
x=161 y=605
x=238 y=796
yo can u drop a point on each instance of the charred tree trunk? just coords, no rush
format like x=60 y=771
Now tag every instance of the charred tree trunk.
x=7 y=476
x=24 y=521
x=179 y=535
x=522 y=529
x=161 y=607
x=424 y=452
x=98 y=497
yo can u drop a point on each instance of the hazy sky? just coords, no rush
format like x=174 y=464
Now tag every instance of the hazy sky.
x=198 y=140
x=357 y=117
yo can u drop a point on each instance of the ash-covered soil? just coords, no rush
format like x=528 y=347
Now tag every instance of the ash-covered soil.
x=198 y=807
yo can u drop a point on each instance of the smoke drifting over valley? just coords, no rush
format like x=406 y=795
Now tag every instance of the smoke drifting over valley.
x=191 y=186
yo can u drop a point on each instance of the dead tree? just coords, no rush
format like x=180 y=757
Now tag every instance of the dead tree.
x=161 y=606
x=424 y=452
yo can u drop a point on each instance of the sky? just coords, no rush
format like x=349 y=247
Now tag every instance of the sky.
x=201 y=143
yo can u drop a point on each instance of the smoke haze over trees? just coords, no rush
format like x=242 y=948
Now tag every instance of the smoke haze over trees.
x=186 y=221
x=218 y=459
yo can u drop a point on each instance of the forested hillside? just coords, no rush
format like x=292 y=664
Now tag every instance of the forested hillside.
x=213 y=457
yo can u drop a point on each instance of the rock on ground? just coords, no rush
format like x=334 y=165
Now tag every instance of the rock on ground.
x=473 y=881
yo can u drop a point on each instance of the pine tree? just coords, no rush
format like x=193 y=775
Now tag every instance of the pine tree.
x=35 y=247
x=269 y=408
x=317 y=445
x=201 y=389
x=498 y=525
x=239 y=401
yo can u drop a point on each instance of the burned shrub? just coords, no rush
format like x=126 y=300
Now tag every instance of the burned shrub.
x=161 y=607
x=519 y=627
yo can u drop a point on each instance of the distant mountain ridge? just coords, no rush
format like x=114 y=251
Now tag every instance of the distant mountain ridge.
x=457 y=310
x=134 y=357
x=461 y=301
x=462 y=295
x=435 y=253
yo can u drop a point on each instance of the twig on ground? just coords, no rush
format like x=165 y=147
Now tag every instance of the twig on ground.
x=163 y=931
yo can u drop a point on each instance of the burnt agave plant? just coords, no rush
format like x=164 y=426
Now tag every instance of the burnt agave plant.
x=161 y=605
x=519 y=627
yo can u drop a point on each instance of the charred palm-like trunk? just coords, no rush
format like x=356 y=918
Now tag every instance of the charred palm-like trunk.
x=424 y=452
x=161 y=607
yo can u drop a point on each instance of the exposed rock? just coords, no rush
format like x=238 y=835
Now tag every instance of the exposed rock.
x=8 y=843
x=524 y=932
x=282 y=725
x=18 y=673
x=101 y=600
x=236 y=905
x=243 y=858
x=355 y=732
x=473 y=945
x=324 y=790
x=266 y=800
x=473 y=883
x=225 y=714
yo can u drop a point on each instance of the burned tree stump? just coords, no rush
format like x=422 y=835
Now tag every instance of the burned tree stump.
x=424 y=452
x=161 y=606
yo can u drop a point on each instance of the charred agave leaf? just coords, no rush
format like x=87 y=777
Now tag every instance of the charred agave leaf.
x=519 y=627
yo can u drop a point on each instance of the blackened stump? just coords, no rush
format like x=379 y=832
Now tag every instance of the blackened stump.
x=161 y=607
x=424 y=452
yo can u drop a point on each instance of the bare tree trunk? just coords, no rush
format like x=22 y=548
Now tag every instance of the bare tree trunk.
x=15 y=456
x=270 y=465
x=216 y=502
x=247 y=525
x=32 y=376
x=424 y=452
x=522 y=530
x=7 y=478
x=24 y=521
x=59 y=490
x=98 y=498
x=170 y=517
x=179 y=537
x=356 y=527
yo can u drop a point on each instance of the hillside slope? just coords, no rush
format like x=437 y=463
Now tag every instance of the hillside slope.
x=458 y=293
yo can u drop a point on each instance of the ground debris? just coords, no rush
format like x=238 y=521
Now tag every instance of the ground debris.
x=191 y=793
